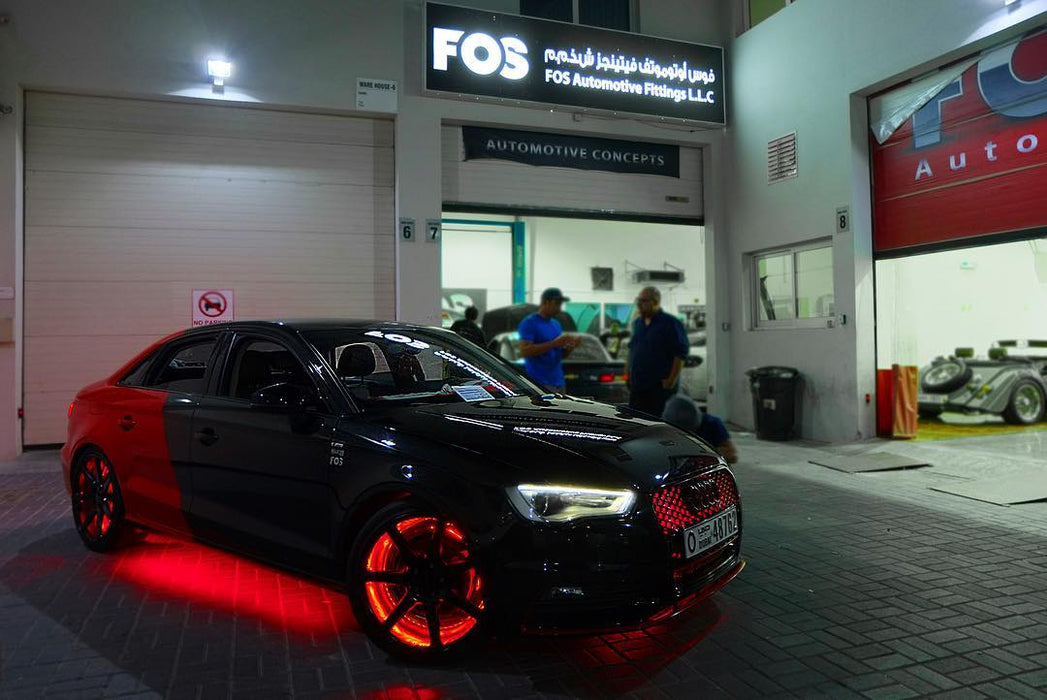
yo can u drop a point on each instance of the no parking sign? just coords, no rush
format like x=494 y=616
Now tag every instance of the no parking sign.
x=212 y=306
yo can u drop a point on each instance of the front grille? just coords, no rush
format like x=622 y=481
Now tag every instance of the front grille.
x=678 y=506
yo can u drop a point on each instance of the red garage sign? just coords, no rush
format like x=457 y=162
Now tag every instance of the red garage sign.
x=971 y=161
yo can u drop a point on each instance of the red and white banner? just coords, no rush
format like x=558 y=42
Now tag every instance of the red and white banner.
x=972 y=160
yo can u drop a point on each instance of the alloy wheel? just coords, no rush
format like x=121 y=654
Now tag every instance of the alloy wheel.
x=96 y=499
x=422 y=584
x=1028 y=403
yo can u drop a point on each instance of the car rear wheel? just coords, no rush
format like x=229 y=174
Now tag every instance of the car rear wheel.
x=946 y=375
x=415 y=584
x=1026 y=405
x=98 y=506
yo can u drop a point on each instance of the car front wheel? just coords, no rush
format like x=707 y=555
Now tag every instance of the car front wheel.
x=98 y=506
x=415 y=584
x=1026 y=404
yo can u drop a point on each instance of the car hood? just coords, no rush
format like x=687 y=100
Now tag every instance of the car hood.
x=561 y=440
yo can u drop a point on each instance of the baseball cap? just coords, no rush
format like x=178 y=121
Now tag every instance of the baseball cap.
x=555 y=294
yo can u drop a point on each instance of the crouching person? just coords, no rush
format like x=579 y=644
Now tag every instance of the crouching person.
x=681 y=411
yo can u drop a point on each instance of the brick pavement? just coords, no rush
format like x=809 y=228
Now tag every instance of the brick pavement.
x=865 y=586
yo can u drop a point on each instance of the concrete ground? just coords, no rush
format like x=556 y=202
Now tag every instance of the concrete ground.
x=857 y=585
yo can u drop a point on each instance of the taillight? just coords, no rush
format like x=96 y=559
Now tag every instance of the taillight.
x=70 y=414
x=606 y=378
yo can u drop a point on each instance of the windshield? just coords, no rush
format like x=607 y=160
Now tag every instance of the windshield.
x=382 y=367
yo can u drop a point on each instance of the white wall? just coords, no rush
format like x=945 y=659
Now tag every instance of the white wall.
x=304 y=55
x=477 y=257
x=561 y=251
x=928 y=305
x=807 y=69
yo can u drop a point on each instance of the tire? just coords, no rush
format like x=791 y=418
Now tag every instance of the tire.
x=417 y=596
x=97 y=503
x=945 y=376
x=1026 y=405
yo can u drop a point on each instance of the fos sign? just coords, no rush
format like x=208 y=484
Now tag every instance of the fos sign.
x=507 y=56
x=480 y=53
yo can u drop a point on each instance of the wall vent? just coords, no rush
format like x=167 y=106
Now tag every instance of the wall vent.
x=603 y=279
x=781 y=158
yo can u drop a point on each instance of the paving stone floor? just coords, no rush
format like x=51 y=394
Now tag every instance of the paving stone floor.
x=857 y=585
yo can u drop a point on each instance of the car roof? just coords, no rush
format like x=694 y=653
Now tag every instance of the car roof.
x=312 y=324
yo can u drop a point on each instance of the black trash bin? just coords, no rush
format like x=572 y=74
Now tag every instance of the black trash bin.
x=775 y=392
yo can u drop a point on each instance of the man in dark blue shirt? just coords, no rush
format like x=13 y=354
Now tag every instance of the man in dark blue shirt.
x=656 y=353
x=543 y=344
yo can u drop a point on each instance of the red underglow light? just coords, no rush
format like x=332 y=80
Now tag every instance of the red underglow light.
x=234 y=585
x=404 y=692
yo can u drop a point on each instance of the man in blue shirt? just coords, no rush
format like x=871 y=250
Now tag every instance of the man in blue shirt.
x=656 y=353
x=683 y=412
x=543 y=344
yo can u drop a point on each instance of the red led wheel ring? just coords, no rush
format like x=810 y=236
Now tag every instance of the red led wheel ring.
x=421 y=583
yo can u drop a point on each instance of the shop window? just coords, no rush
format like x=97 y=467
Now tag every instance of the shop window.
x=609 y=14
x=793 y=287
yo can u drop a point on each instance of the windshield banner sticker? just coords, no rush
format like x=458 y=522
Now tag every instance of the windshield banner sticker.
x=471 y=393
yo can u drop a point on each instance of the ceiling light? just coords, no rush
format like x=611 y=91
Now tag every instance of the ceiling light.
x=219 y=70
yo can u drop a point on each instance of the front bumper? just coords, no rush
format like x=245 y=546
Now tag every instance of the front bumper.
x=605 y=575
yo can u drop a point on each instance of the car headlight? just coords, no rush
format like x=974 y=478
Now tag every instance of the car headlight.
x=559 y=504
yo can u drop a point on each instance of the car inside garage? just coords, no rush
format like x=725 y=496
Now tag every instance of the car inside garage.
x=960 y=216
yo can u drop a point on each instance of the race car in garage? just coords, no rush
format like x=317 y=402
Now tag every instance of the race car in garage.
x=1011 y=381
x=447 y=494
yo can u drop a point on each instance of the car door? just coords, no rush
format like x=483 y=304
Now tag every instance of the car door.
x=260 y=472
x=153 y=411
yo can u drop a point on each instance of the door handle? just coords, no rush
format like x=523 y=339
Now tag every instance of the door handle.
x=207 y=436
x=127 y=422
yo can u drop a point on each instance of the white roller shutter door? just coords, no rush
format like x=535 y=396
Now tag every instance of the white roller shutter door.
x=510 y=186
x=131 y=205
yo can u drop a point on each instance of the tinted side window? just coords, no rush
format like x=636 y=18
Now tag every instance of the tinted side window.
x=137 y=376
x=261 y=363
x=184 y=370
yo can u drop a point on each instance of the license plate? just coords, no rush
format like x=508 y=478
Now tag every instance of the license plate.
x=932 y=398
x=709 y=533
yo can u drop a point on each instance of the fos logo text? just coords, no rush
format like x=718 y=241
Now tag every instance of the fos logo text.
x=481 y=53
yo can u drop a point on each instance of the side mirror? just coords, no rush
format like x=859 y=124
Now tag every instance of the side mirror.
x=284 y=397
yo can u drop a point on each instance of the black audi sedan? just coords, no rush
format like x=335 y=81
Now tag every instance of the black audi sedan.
x=448 y=495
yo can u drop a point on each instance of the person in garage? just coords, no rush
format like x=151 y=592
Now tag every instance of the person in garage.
x=683 y=412
x=612 y=339
x=543 y=344
x=468 y=329
x=656 y=354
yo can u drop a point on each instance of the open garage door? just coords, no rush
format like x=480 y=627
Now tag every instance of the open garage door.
x=132 y=205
